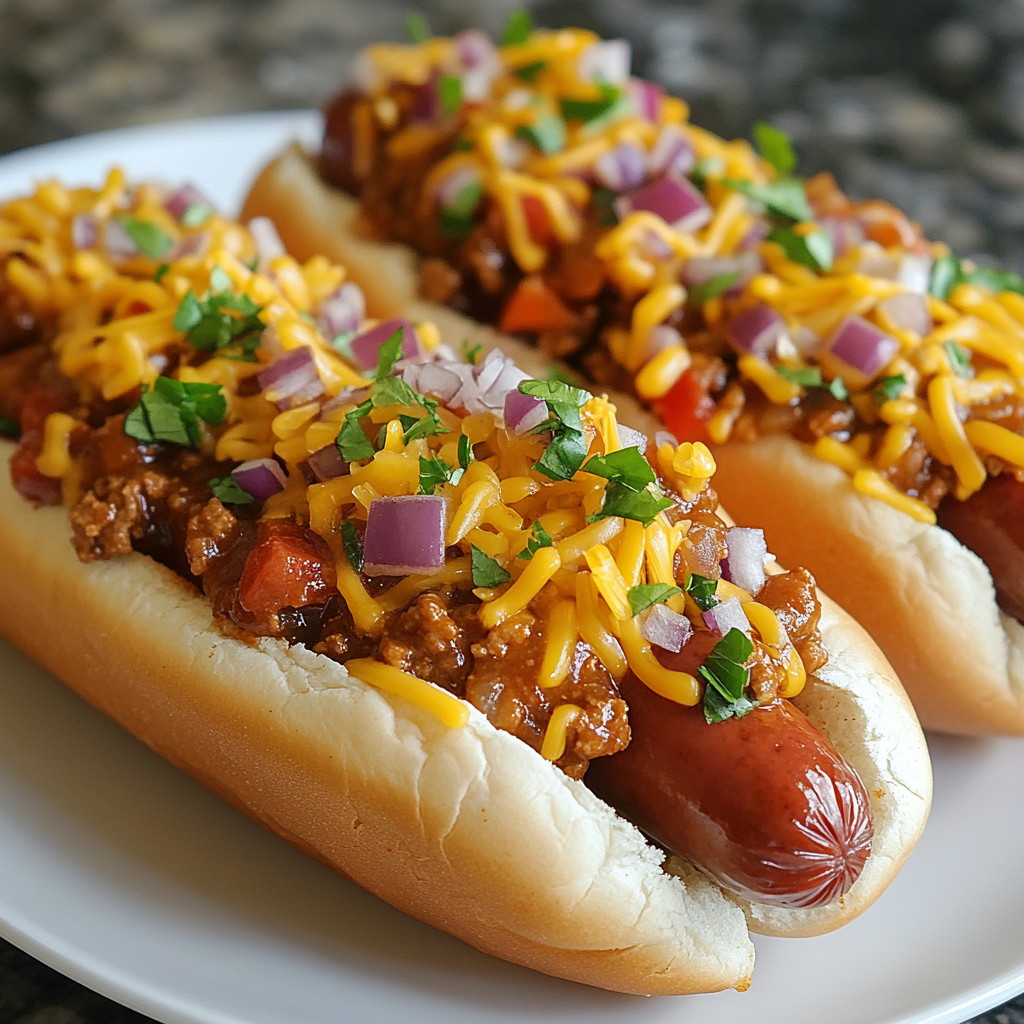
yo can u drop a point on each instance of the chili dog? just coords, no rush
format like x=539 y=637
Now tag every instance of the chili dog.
x=391 y=604
x=791 y=329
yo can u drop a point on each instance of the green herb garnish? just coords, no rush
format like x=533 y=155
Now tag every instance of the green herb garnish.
x=602 y=200
x=702 y=590
x=151 y=239
x=959 y=357
x=529 y=72
x=465 y=452
x=471 y=353
x=785 y=197
x=517 y=28
x=353 y=544
x=627 y=465
x=568 y=446
x=547 y=132
x=996 y=280
x=418 y=27
x=589 y=110
x=171 y=411
x=646 y=595
x=631 y=491
x=709 y=167
x=726 y=678
x=228 y=490
x=540 y=538
x=946 y=275
x=889 y=388
x=814 y=250
x=434 y=472
x=352 y=442
x=224 y=323
x=9 y=427
x=449 y=91
x=486 y=571
x=160 y=271
x=456 y=219
x=197 y=214
x=711 y=289
x=776 y=147
x=810 y=377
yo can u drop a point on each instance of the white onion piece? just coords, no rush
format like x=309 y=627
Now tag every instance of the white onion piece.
x=646 y=98
x=289 y=374
x=179 y=202
x=481 y=61
x=805 y=341
x=665 y=628
x=622 y=168
x=438 y=381
x=269 y=246
x=874 y=261
x=630 y=438
x=757 y=233
x=404 y=535
x=447 y=190
x=908 y=310
x=664 y=437
x=260 y=477
x=675 y=200
x=702 y=269
x=915 y=272
x=661 y=337
x=84 y=231
x=672 y=152
x=524 y=413
x=366 y=347
x=756 y=330
x=744 y=565
x=607 y=61
x=327 y=463
x=845 y=234
x=119 y=244
x=862 y=345
x=342 y=311
x=725 y=616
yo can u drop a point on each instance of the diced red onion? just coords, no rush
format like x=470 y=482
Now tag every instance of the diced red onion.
x=845 y=234
x=268 y=242
x=119 y=244
x=524 y=413
x=509 y=378
x=343 y=311
x=701 y=269
x=346 y=396
x=727 y=615
x=756 y=234
x=366 y=347
x=84 y=231
x=875 y=262
x=178 y=203
x=404 y=535
x=260 y=477
x=915 y=272
x=661 y=337
x=488 y=369
x=427 y=107
x=327 y=463
x=744 y=564
x=665 y=628
x=630 y=438
x=482 y=62
x=672 y=152
x=307 y=393
x=191 y=245
x=288 y=375
x=908 y=310
x=862 y=345
x=675 y=200
x=646 y=98
x=622 y=168
x=664 y=437
x=439 y=381
x=448 y=188
x=756 y=330
x=607 y=61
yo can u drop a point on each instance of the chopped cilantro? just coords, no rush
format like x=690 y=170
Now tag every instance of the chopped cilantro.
x=465 y=451
x=471 y=352
x=540 y=538
x=197 y=214
x=810 y=377
x=568 y=446
x=171 y=411
x=814 y=250
x=589 y=110
x=456 y=219
x=702 y=590
x=889 y=388
x=726 y=678
x=486 y=571
x=601 y=200
x=547 y=132
x=151 y=239
x=959 y=357
x=9 y=427
x=776 y=147
x=996 y=280
x=642 y=506
x=517 y=28
x=229 y=491
x=211 y=324
x=946 y=275
x=627 y=465
x=529 y=72
x=709 y=167
x=436 y=471
x=352 y=442
x=353 y=544
x=388 y=355
x=711 y=289
x=160 y=271
x=646 y=595
x=341 y=343
x=449 y=91
x=785 y=197
x=418 y=27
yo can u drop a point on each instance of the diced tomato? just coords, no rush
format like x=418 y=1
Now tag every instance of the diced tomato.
x=137 y=307
x=687 y=408
x=538 y=222
x=536 y=307
x=886 y=225
x=289 y=567
x=825 y=196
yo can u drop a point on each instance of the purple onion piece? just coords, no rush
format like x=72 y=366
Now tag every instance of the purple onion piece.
x=524 y=413
x=404 y=535
x=366 y=346
x=908 y=310
x=862 y=346
x=260 y=477
x=725 y=616
x=756 y=330
x=289 y=374
x=646 y=98
x=307 y=393
x=438 y=381
x=475 y=48
x=119 y=244
x=179 y=202
x=758 y=232
x=630 y=438
x=84 y=231
x=427 y=108
x=744 y=564
x=268 y=242
x=675 y=200
x=672 y=153
x=622 y=168
x=343 y=311
x=665 y=628
x=327 y=463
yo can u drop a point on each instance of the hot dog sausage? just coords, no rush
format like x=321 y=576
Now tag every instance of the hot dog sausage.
x=763 y=803
x=991 y=523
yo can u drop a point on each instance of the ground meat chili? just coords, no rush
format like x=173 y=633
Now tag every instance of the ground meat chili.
x=378 y=500
x=556 y=196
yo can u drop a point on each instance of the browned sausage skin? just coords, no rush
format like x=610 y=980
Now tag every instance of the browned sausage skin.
x=763 y=803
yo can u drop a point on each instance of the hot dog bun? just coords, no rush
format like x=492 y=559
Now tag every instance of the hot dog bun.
x=926 y=599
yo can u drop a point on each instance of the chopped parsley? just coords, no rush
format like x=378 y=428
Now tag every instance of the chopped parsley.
x=996 y=280
x=352 y=442
x=785 y=197
x=810 y=377
x=224 y=323
x=631 y=491
x=160 y=271
x=171 y=411
x=197 y=214
x=9 y=427
x=959 y=357
x=710 y=166
x=151 y=239
x=418 y=27
x=547 y=132
x=449 y=91
x=647 y=595
x=353 y=544
x=702 y=590
x=948 y=272
x=456 y=219
x=726 y=678
x=627 y=465
x=434 y=472
x=568 y=447
x=229 y=491
x=611 y=102
x=601 y=200
x=465 y=452
x=517 y=28
x=814 y=250
x=529 y=72
x=471 y=352
x=642 y=506
x=889 y=388
x=540 y=538
x=711 y=289
x=776 y=147
x=486 y=571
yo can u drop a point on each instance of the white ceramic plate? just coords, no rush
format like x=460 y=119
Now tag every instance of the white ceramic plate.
x=124 y=874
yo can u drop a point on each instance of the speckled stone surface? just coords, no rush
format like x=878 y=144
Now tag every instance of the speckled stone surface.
x=920 y=102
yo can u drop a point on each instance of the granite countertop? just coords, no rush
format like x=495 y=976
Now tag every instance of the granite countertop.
x=920 y=102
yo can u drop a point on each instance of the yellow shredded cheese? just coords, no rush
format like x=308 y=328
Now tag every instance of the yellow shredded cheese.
x=446 y=706
x=553 y=745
